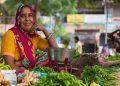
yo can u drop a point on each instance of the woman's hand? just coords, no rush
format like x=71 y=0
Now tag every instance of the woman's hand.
x=47 y=34
x=18 y=63
x=11 y=62
x=38 y=27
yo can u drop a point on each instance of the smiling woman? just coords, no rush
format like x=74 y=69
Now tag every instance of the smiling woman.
x=20 y=43
x=26 y=19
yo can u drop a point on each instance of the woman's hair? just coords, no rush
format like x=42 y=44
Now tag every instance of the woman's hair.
x=18 y=13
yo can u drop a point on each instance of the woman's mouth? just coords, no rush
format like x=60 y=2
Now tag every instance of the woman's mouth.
x=26 y=24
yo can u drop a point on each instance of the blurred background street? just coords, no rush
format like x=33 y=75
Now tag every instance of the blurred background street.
x=90 y=20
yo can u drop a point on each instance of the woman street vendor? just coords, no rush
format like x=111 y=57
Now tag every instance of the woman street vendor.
x=20 y=42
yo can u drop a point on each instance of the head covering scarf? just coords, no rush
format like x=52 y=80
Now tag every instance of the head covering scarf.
x=24 y=43
x=18 y=13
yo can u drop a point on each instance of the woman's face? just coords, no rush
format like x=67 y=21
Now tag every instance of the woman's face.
x=26 y=19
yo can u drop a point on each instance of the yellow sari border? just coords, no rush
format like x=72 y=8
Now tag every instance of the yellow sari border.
x=6 y=53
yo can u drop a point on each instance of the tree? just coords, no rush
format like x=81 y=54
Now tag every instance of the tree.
x=46 y=7
x=116 y=1
x=11 y=6
x=90 y=3
x=3 y=11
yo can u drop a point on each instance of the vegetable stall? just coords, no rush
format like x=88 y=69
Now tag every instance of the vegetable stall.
x=86 y=70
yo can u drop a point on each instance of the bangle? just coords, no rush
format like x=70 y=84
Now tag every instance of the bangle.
x=49 y=36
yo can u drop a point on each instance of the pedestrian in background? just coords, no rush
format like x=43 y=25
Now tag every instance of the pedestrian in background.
x=78 y=45
x=105 y=51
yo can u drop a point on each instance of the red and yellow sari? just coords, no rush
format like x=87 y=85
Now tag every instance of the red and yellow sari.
x=19 y=45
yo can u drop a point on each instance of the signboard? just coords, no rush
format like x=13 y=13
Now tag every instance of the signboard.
x=75 y=18
x=116 y=19
x=116 y=23
x=95 y=18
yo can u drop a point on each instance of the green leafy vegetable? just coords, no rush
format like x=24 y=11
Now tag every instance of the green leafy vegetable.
x=115 y=57
x=44 y=69
x=97 y=74
x=3 y=65
x=59 y=79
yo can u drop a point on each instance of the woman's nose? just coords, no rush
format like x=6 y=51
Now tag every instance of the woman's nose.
x=26 y=17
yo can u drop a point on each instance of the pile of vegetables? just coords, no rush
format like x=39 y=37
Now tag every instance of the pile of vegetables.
x=114 y=58
x=114 y=68
x=59 y=79
x=39 y=52
x=3 y=65
x=44 y=69
x=27 y=77
x=97 y=74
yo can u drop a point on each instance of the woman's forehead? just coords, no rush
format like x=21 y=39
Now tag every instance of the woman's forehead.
x=26 y=10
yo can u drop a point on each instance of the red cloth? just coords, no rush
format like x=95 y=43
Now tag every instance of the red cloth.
x=22 y=39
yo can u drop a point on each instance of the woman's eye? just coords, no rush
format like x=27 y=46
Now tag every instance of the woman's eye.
x=30 y=15
x=22 y=15
x=26 y=15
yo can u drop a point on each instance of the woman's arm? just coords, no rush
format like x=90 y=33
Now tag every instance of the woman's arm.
x=48 y=35
x=10 y=61
x=50 y=38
